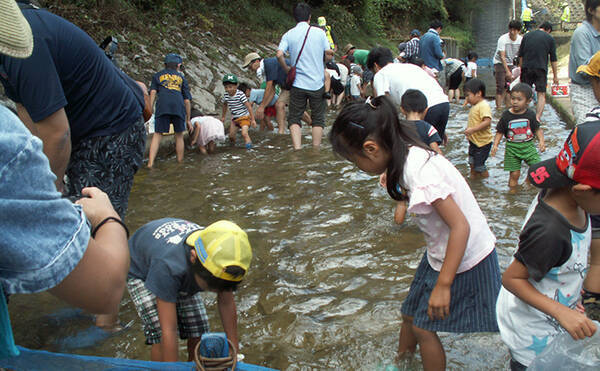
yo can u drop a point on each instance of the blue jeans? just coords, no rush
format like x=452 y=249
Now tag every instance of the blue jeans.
x=478 y=156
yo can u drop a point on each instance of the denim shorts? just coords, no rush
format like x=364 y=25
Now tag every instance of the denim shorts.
x=478 y=156
x=318 y=106
x=109 y=163
x=192 y=320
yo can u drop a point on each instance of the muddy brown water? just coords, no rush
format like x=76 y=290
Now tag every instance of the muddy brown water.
x=330 y=268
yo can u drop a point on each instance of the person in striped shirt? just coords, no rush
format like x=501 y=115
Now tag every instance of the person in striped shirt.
x=240 y=109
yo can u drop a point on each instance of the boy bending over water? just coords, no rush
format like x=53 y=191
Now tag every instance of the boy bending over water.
x=542 y=285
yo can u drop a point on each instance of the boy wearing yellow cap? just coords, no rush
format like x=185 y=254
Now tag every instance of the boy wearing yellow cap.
x=172 y=262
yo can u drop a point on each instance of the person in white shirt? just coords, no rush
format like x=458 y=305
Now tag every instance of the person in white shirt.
x=506 y=51
x=394 y=79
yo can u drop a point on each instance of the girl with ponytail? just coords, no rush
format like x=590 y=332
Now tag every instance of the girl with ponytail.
x=457 y=282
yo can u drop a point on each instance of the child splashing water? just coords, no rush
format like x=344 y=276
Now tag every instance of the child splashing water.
x=457 y=282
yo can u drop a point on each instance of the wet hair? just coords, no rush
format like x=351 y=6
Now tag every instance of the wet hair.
x=546 y=26
x=414 y=101
x=195 y=112
x=472 y=55
x=435 y=24
x=376 y=120
x=216 y=283
x=475 y=86
x=418 y=61
x=171 y=65
x=523 y=88
x=380 y=55
x=243 y=87
x=515 y=25
x=302 y=12
x=590 y=4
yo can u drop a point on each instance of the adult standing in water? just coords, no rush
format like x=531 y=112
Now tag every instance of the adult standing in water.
x=584 y=44
x=535 y=48
x=506 y=51
x=78 y=253
x=308 y=48
x=86 y=111
x=394 y=79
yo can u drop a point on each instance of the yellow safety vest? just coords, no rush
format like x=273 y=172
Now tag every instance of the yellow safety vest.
x=566 y=16
x=329 y=38
x=526 y=15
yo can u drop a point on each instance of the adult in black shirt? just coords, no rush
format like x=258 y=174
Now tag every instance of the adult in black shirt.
x=534 y=51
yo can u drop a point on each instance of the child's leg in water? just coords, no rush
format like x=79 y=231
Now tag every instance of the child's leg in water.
x=431 y=349
x=245 y=134
x=211 y=146
x=407 y=345
x=232 y=132
x=513 y=178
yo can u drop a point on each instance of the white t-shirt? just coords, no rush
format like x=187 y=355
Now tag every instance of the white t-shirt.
x=430 y=177
x=396 y=78
x=354 y=82
x=511 y=48
x=343 y=73
x=471 y=67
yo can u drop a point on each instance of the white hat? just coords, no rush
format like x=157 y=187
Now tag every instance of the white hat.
x=16 y=39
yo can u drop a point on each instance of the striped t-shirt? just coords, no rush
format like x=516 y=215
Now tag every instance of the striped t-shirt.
x=236 y=104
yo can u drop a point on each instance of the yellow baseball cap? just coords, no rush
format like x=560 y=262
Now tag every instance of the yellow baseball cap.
x=592 y=68
x=220 y=245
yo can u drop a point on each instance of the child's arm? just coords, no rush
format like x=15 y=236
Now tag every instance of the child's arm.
x=167 y=317
x=223 y=112
x=539 y=133
x=228 y=313
x=448 y=210
x=249 y=107
x=484 y=124
x=434 y=146
x=516 y=280
x=497 y=140
x=400 y=212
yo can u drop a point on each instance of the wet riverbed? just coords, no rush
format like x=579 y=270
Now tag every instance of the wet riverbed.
x=330 y=268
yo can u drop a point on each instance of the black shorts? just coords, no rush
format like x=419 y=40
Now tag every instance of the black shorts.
x=455 y=79
x=336 y=86
x=536 y=76
x=162 y=123
x=299 y=98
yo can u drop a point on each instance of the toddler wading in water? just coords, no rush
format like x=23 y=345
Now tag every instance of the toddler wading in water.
x=457 y=282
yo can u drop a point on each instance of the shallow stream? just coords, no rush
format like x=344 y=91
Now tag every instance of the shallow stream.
x=330 y=267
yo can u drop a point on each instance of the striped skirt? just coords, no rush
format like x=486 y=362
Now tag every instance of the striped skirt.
x=472 y=302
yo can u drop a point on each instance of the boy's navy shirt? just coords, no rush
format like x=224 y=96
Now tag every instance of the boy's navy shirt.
x=172 y=88
x=161 y=258
x=427 y=132
x=274 y=72
x=67 y=69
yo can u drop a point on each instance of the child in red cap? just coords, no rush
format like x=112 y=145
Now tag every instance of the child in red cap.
x=551 y=260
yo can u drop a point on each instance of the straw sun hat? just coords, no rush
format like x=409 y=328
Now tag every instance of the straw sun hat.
x=16 y=39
